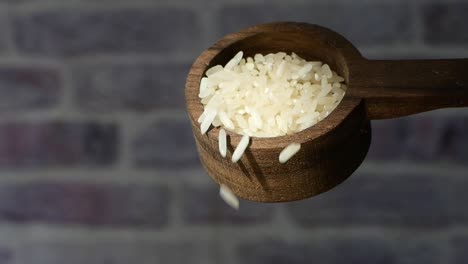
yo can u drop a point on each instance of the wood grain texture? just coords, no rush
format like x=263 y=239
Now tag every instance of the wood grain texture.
x=335 y=147
x=399 y=88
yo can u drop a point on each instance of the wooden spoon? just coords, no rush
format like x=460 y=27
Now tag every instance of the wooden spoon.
x=335 y=147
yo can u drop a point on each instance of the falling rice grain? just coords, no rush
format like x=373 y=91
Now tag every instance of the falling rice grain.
x=228 y=196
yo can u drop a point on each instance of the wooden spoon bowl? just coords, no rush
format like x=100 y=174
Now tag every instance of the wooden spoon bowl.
x=334 y=148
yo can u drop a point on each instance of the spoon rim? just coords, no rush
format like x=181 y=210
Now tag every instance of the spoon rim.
x=328 y=124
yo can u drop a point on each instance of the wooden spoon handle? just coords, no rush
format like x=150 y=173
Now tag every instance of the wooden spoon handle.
x=399 y=88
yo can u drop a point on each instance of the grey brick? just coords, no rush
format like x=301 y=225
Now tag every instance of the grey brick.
x=438 y=138
x=136 y=251
x=458 y=195
x=336 y=249
x=203 y=206
x=132 y=87
x=445 y=23
x=27 y=88
x=85 y=204
x=57 y=144
x=276 y=252
x=362 y=24
x=458 y=249
x=74 y=32
x=5 y=37
x=327 y=251
x=418 y=201
x=6 y=255
x=168 y=143
x=420 y=250
x=421 y=138
x=388 y=139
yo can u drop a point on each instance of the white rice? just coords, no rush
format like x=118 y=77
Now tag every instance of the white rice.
x=288 y=152
x=228 y=196
x=239 y=151
x=224 y=118
x=267 y=96
x=222 y=142
x=209 y=117
x=234 y=61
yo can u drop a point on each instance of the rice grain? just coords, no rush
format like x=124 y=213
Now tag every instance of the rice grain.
x=288 y=152
x=222 y=142
x=239 y=151
x=234 y=61
x=228 y=196
x=206 y=123
x=223 y=117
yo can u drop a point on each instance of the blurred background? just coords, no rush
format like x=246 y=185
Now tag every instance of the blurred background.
x=98 y=163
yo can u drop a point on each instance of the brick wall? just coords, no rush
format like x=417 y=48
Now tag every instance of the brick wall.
x=97 y=161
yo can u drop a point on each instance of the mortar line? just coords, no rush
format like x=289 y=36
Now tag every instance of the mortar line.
x=106 y=176
x=186 y=176
x=176 y=203
x=96 y=116
x=66 y=104
x=408 y=168
x=126 y=135
x=209 y=22
x=418 y=27
x=9 y=31
x=48 y=233
x=177 y=57
x=100 y=6
x=415 y=51
x=172 y=57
